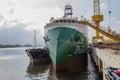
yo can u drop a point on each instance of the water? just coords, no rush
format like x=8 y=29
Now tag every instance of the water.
x=14 y=65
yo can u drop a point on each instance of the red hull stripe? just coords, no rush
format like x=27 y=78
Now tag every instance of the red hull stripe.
x=70 y=65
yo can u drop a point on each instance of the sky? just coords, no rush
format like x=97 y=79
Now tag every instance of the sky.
x=19 y=18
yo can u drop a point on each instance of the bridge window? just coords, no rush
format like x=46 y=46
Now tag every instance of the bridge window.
x=61 y=21
x=69 y=21
x=57 y=21
x=65 y=21
x=73 y=21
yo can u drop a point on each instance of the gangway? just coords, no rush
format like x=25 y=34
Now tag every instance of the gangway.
x=114 y=36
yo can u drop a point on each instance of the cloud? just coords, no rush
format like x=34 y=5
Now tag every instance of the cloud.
x=12 y=23
x=33 y=27
x=16 y=35
x=41 y=3
x=1 y=18
x=11 y=11
x=19 y=18
x=13 y=32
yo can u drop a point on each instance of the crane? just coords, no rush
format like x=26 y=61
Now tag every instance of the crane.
x=97 y=18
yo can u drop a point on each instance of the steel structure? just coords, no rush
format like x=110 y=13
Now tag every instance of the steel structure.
x=97 y=18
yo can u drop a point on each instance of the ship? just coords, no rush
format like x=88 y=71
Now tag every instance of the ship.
x=37 y=55
x=66 y=41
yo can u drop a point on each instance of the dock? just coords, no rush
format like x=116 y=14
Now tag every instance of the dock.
x=104 y=58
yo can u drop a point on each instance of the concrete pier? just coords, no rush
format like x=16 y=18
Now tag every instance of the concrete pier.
x=104 y=58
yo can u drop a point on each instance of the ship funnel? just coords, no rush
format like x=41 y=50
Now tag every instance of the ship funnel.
x=68 y=11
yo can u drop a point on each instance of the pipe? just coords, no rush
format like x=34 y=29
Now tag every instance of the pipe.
x=113 y=74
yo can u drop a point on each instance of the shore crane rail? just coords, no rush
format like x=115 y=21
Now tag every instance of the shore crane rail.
x=89 y=23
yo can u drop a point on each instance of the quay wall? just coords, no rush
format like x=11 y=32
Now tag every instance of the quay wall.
x=104 y=58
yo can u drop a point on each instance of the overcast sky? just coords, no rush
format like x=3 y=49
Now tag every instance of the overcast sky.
x=18 y=18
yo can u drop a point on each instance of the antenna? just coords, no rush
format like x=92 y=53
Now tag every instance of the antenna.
x=109 y=12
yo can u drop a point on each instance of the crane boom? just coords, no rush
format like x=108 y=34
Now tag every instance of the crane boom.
x=115 y=37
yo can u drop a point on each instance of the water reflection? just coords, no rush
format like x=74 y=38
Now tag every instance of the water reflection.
x=69 y=75
x=38 y=71
x=14 y=65
x=45 y=72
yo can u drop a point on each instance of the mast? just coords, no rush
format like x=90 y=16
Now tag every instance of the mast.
x=68 y=11
x=35 y=41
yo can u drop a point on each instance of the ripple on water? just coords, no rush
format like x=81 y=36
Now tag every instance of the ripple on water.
x=7 y=57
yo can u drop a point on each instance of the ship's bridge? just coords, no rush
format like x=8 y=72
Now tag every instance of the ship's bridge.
x=65 y=20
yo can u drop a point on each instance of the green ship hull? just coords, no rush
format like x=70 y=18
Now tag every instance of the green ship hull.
x=67 y=47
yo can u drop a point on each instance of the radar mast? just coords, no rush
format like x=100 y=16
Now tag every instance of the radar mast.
x=68 y=11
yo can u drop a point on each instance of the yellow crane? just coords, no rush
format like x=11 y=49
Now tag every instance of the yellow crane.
x=97 y=18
